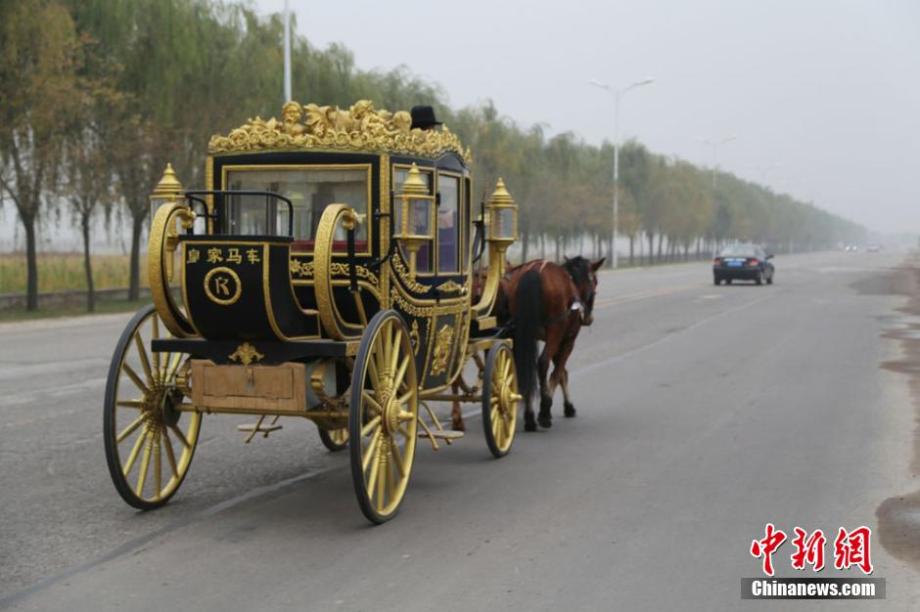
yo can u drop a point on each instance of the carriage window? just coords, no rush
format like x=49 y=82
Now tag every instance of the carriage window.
x=310 y=191
x=449 y=224
x=424 y=260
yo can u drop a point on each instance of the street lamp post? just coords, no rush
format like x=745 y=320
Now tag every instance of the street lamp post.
x=715 y=144
x=617 y=94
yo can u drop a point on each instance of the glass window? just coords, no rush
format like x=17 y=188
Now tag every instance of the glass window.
x=738 y=250
x=310 y=191
x=449 y=224
x=424 y=262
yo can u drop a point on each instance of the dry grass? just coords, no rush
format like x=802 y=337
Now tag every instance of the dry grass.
x=64 y=271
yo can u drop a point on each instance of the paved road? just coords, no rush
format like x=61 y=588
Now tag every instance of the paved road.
x=704 y=413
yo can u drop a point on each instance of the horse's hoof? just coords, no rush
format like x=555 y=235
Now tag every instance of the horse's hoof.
x=545 y=421
x=569 y=410
x=530 y=426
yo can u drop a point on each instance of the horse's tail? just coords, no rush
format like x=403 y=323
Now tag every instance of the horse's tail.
x=527 y=322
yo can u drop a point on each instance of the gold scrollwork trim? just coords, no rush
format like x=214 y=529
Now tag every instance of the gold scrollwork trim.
x=359 y=128
x=246 y=354
x=234 y=296
x=442 y=350
x=414 y=337
x=333 y=322
x=450 y=287
x=403 y=272
x=304 y=269
x=161 y=247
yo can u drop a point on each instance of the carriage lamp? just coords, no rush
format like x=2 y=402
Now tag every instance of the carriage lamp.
x=502 y=217
x=415 y=218
x=167 y=191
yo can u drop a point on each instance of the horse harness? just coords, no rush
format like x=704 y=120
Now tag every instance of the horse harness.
x=576 y=306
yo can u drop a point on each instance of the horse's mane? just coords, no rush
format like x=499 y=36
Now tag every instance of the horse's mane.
x=578 y=268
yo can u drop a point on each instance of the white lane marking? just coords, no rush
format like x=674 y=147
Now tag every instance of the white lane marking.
x=639 y=349
x=643 y=295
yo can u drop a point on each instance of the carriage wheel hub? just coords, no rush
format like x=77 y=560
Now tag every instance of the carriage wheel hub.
x=504 y=398
x=391 y=416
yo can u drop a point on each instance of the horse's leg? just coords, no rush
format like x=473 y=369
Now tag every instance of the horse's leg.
x=546 y=396
x=530 y=422
x=561 y=374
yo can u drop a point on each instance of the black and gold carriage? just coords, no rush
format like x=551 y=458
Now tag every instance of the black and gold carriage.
x=325 y=272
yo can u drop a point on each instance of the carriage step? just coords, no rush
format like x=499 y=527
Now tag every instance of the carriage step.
x=257 y=428
x=442 y=434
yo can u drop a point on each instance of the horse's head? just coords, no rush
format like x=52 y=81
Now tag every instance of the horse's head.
x=584 y=275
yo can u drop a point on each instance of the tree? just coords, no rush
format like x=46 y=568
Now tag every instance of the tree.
x=39 y=56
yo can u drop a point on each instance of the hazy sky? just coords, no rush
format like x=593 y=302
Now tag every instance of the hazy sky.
x=824 y=96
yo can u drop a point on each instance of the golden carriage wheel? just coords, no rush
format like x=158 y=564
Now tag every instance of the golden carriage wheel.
x=500 y=399
x=383 y=416
x=149 y=441
x=334 y=439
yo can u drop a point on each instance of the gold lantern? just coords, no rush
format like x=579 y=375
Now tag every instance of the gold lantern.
x=168 y=216
x=503 y=217
x=415 y=215
x=167 y=191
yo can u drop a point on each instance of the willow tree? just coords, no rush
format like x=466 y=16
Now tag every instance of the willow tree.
x=39 y=54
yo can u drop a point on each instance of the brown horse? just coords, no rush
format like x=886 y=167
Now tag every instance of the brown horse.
x=549 y=302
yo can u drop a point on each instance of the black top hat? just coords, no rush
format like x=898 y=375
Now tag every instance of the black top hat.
x=423 y=117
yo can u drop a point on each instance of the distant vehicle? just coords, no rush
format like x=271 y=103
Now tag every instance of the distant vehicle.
x=873 y=248
x=742 y=262
x=851 y=248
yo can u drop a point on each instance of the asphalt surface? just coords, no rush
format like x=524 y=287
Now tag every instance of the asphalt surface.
x=704 y=413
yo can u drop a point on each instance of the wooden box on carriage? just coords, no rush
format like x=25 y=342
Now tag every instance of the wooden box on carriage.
x=277 y=389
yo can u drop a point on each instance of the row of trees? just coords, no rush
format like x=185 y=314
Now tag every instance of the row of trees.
x=97 y=95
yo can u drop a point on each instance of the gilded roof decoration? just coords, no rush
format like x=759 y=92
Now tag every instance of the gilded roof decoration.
x=360 y=128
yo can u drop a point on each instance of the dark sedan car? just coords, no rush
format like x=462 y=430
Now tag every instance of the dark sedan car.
x=742 y=262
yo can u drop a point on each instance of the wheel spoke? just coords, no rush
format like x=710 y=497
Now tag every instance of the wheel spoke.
x=401 y=373
x=506 y=367
x=371 y=450
x=170 y=454
x=372 y=476
x=372 y=371
x=381 y=481
x=405 y=397
x=139 y=403
x=130 y=428
x=134 y=377
x=395 y=345
x=145 y=464
x=397 y=459
x=181 y=436
x=132 y=456
x=157 y=467
x=372 y=401
x=391 y=477
x=171 y=371
x=165 y=361
x=371 y=425
x=155 y=323
x=145 y=362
